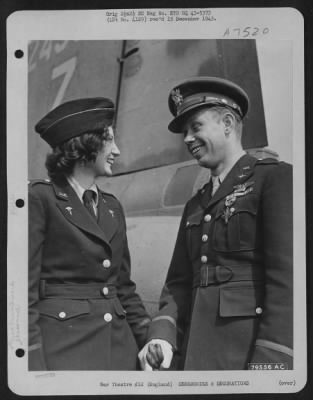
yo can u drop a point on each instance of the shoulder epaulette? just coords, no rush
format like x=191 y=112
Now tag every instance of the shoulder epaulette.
x=36 y=181
x=267 y=161
x=107 y=194
x=110 y=195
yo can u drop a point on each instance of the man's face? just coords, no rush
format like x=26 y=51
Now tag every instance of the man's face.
x=102 y=166
x=204 y=135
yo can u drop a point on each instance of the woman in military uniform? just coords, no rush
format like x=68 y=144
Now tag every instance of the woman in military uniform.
x=84 y=313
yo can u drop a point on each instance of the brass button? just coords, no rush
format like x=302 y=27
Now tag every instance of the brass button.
x=62 y=314
x=204 y=259
x=207 y=217
x=205 y=238
x=107 y=317
x=106 y=263
x=259 y=310
x=232 y=209
x=105 y=291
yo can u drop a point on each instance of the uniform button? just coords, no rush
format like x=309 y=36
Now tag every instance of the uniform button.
x=207 y=218
x=106 y=263
x=232 y=209
x=205 y=238
x=105 y=291
x=62 y=314
x=107 y=317
x=259 y=310
x=204 y=259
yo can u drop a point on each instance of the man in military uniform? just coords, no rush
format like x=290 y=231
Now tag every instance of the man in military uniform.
x=227 y=300
x=84 y=313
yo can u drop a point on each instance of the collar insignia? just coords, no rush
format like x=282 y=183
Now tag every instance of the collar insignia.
x=69 y=209
x=63 y=195
x=112 y=213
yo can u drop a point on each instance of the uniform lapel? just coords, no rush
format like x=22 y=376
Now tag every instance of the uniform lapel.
x=107 y=218
x=239 y=174
x=74 y=210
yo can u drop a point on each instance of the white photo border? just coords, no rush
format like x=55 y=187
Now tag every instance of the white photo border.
x=24 y=26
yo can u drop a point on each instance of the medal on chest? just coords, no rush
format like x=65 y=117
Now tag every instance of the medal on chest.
x=230 y=200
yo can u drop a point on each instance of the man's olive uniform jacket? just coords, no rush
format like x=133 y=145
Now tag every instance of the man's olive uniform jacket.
x=84 y=313
x=227 y=300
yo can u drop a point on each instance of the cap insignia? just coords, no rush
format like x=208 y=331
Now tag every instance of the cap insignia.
x=64 y=195
x=177 y=97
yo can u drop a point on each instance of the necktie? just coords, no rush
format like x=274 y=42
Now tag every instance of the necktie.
x=88 y=199
x=215 y=184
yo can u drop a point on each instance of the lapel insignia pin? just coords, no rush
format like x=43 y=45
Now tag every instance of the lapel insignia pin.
x=112 y=213
x=69 y=209
x=63 y=195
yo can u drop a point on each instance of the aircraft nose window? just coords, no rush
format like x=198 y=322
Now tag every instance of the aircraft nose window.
x=180 y=188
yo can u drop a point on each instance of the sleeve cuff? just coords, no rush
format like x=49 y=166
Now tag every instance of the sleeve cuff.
x=164 y=327
x=267 y=352
x=274 y=346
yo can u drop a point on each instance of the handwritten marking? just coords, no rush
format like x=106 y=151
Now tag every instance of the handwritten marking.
x=246 y=32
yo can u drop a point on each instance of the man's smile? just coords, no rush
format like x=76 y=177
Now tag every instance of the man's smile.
x=195 y=147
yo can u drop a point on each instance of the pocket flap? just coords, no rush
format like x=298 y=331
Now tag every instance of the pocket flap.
x=245 y=206
x=246 y=203
x=119 y=309
x=63 y=309
x=244 y=301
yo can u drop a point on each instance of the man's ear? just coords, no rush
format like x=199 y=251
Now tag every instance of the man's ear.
x=229 y=122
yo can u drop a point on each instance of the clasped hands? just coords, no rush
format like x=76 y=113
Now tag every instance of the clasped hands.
x=157 y=354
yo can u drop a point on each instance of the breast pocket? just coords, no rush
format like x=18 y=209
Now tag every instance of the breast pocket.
x=238 y=233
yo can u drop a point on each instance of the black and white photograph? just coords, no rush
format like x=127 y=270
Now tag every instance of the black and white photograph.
x=154 y=222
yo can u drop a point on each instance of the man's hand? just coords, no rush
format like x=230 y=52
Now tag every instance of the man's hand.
x=156 y=354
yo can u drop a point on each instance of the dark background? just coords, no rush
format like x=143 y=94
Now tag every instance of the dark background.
x=9 y=6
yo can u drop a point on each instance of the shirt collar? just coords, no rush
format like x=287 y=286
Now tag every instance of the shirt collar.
x=79 y=190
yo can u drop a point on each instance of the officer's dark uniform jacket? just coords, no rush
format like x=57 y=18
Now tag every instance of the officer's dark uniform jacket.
x=227 y=301
x=84 y=313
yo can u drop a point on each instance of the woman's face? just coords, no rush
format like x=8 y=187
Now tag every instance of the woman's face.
x=102 y=166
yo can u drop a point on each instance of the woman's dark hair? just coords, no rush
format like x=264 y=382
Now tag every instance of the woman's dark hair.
x=81 y=148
